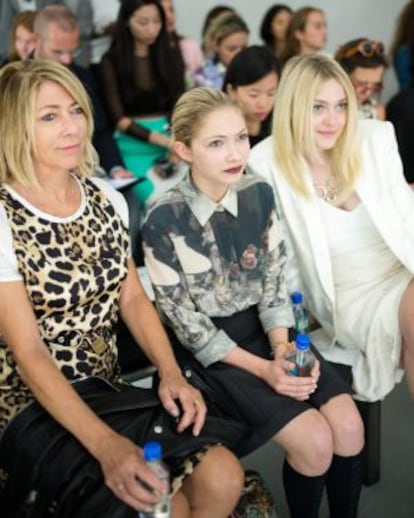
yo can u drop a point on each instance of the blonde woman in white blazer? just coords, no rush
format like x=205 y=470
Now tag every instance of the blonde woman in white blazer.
x=348 y=215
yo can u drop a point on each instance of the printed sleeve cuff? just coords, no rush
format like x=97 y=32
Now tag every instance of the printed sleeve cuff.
x=218 y=347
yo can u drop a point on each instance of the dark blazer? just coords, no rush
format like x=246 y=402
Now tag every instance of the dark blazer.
x=103 y=140
x=400 y=111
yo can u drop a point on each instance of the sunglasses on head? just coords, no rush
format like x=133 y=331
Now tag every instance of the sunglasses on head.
x=367 y=48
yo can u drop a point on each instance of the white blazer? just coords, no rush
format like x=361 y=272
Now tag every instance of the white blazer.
x=386 y=196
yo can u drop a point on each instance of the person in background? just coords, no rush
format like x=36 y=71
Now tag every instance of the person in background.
x=227 y=34
x=58 y=39
x=141 y=77
x=364 y=60
x=66 y=275
x=22 y=37
x=211 y=16
x=190 y=50
x=83 y=11
x=347 y=211
x=216 y=258
x=402 y=46
x=274 y=27
x=8 y=10
x=400 y=111
x=307 y=33
x=251 y=81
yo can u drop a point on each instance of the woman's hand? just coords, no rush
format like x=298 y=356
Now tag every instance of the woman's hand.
x=127 y=474
x=173 y=387
x=277 y=376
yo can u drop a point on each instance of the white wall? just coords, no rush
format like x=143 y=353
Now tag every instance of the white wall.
x=347 y=19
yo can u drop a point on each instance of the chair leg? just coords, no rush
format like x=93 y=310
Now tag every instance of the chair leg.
x=371 y=416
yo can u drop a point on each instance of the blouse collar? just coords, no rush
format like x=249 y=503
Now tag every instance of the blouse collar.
x=202 y=206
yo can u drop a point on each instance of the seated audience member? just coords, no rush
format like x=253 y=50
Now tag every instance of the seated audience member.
x=227 y=34
x=365 y=63
x=274 y=27
x=22 y=37
x=400 y=111
x=8 y=10
x=83 y=11
x=217 y=267
x=142 y=77
x=402 y=46
x=347 y=212
x=307 y=33
x=211 y=15
x=251 y=80
x=57 y=38
x=71 y=431
x=190 y=49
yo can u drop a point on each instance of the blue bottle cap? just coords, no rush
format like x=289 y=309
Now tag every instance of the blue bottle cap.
x=152 y=451
x=296 y=297
x=302 y=342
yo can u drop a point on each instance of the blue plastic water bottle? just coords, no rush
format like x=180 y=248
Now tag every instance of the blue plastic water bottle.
x=153 y=457
x=303 y=358
x=300 y=314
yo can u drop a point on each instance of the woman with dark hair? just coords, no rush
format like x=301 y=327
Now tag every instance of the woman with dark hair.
x=274 y=27
x=365 y=63
x=142 y=76
x=251 y=80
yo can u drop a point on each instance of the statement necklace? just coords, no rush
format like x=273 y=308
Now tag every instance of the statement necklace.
x=328 y=190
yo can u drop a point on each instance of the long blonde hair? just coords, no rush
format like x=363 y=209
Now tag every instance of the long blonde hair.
x=292 y=130
x=19 y=87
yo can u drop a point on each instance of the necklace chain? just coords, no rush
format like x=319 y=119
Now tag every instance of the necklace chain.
x=328 y=190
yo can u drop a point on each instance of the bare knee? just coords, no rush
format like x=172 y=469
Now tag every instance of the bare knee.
x=308 y=443
x=346 y=424
x=180 y=507
x=216 y=483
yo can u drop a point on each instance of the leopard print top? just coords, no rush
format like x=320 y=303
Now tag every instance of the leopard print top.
x=72 y=272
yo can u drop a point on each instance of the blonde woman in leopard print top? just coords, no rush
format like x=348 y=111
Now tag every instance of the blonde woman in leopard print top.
x=65 y=274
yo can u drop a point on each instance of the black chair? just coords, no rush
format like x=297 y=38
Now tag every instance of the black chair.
x=134 y=209
x=371 y=417
x=134 y=363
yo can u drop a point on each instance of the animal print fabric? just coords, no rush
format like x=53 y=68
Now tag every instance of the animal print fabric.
x=72 y=271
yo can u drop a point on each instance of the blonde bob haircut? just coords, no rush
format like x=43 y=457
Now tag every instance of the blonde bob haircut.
x=192 y=107
x=19 y=86
x=293 y=136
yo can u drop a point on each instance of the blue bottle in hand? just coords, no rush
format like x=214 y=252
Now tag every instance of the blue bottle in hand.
x=300 y=313
x=153 y=457
x=302 y=357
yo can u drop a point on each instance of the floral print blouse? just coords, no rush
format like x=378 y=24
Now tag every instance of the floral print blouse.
x=208 y=259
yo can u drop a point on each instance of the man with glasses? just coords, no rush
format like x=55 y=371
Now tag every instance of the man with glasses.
x=58 y=38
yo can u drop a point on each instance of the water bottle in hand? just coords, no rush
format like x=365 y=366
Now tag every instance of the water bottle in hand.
x=302 y=357
x=300 y=313
x=153 y=457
